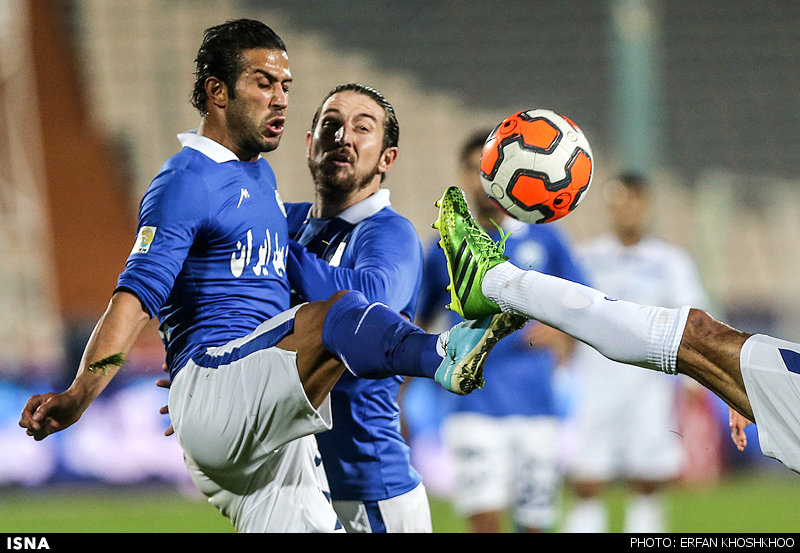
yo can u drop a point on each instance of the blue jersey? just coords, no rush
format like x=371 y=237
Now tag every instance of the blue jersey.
x=210 y=254
x=370 y=248
x=518 y=377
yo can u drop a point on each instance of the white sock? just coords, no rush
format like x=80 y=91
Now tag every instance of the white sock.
x=622 y=331
x=645 y=515
x=588 y=516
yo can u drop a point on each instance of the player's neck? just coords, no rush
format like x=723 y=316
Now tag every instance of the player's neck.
x=211 y=128
x=327 y=204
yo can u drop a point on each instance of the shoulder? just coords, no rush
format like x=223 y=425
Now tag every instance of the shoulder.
x=187 y=160
x=266 y=170
x=181 y=187
x=185 y=167
x=602 y=244
x=389 y=222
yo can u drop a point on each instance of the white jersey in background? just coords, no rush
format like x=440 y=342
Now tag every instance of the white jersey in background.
x=624 y=420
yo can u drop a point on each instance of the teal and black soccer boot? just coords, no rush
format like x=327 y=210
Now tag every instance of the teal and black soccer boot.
x=468 y=345
x=470 y=252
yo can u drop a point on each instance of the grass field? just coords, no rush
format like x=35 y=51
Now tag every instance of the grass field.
x=745 y=503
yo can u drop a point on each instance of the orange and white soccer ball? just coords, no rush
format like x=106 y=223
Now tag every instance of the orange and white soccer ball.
x=537 y=165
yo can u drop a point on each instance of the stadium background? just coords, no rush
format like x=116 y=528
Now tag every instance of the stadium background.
x=703 y=96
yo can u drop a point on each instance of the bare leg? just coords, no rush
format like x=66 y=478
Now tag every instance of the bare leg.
x=375 y=341
x=319 y=370
x=709 y=353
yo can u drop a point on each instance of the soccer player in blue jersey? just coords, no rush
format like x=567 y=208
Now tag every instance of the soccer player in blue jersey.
x=251 y=377
x=503 y=439
x=350 y=237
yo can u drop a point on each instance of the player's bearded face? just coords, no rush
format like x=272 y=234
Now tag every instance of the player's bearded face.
x=338 y=171
x=345 y=147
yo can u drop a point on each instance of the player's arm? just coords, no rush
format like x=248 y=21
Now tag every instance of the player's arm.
x=171 y=211
x=388 y=258
x=111 y=341
x=433 y=294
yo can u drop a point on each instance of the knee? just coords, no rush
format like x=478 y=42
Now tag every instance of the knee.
x=715 y=341
x=317 y=310
x=699 y=322
x=337 y=296
x=702 y=327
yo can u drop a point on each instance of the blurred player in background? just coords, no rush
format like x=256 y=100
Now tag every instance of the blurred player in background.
x=251 y=377
x=625 y=422
x=503 y=440
x=756 y=375
x=349 y=237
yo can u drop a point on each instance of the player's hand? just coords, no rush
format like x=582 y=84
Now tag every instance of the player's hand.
x=165 y=383
x=737 y=424
x=45 y=414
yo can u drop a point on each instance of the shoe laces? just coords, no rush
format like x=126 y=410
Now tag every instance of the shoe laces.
x=485 y=243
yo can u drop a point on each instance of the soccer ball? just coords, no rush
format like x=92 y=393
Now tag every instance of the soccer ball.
x=536 y=165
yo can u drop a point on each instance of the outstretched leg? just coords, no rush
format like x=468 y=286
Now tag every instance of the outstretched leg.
x=347 y=332
x=681 y=340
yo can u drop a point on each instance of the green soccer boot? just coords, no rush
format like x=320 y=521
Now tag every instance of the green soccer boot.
x=470 y=253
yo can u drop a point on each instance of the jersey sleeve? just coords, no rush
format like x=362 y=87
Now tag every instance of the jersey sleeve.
x=387 y=267
x=170 y=215
x=433 y=295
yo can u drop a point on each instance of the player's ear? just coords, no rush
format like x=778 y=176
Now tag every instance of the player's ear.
x=388 y=157
x=308 y=144
x=217 y=92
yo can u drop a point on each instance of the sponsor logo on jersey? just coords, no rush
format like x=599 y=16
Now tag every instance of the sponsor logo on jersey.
x=269 y=253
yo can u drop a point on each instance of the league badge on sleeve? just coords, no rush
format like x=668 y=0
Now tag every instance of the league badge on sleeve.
x=144 y=239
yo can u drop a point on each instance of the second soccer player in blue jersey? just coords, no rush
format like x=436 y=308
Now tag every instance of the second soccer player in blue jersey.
x=349 y=237
x=503 y=439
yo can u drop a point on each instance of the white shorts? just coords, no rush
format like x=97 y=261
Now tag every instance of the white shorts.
x=406 y=513
x=505 y=463
x=624 y=424
x=246 y=428
x=771 y=372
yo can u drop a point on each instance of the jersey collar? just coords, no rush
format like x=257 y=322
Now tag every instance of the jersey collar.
x=210 y=148
x=357 y=212
x=367 y=207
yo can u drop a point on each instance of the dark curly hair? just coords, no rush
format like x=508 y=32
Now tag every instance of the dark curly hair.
x=220 y=54
x=391 y=128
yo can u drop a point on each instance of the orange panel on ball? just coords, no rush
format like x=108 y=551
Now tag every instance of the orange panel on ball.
x=581 y=170
x=529 y=191
x=539 y=133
